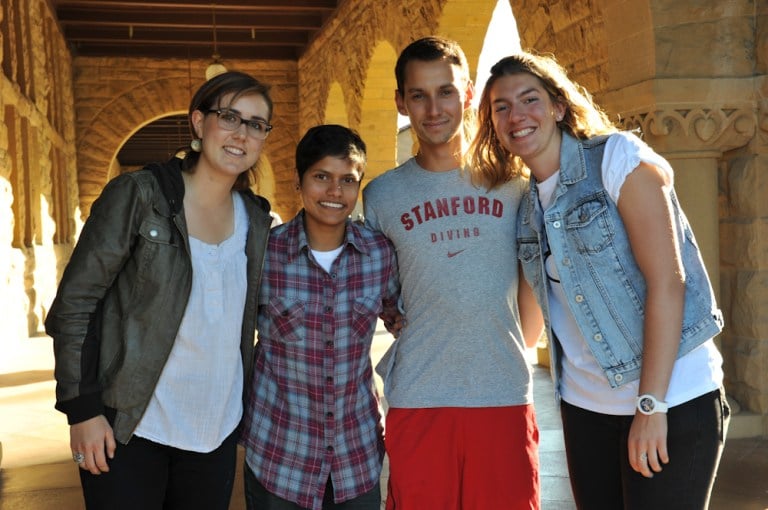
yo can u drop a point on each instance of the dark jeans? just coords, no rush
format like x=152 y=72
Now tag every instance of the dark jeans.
x=152 y=476
x=598 y=464
x=257 y=497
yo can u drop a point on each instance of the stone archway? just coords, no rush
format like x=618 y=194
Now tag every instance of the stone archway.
x=378 y=123
x=100 y=142
x=336 y=107
x=466 y=21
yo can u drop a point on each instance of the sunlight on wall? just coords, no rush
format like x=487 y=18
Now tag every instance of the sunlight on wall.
x=336 y=107
x=13 y=300
x=44 y=274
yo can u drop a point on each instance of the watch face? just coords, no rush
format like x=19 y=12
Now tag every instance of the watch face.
x=646 y=404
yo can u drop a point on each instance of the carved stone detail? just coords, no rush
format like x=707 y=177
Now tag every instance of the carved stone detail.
x=697 y=129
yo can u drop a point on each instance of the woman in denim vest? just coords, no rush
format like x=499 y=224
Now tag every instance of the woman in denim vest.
x=616 y=269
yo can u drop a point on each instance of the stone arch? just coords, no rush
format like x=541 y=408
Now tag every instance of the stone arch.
x=116 y=168
x=100 y=142
x=466 y=21
x=336 y=106
x=575 y=32
x=343 y=54
x=378 y=123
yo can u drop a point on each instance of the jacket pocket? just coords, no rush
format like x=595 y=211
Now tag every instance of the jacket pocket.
x=153 y=259
x=286 y=320
x=588 y=224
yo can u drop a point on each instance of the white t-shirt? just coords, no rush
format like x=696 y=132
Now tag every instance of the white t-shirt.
x=198 y=402
x=583 y=383
x=326 y=258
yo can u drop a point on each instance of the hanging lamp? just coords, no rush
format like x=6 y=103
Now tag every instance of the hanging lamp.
x=215 y=68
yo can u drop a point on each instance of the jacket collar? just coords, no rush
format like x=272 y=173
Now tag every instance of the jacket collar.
x=171 y=184
x=572 y=169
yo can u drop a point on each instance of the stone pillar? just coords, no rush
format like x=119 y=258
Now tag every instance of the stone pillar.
x=693 y=140
x=696 y=187
x=699 y=142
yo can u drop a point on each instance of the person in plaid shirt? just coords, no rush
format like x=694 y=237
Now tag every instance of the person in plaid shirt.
x=312 y=427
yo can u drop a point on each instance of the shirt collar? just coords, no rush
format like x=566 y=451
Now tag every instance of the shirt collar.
x=297 y=237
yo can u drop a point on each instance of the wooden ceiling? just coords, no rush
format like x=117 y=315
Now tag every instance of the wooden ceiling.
x=184 y=29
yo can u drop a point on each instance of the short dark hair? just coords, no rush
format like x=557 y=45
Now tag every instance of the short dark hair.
x=207 y=97
x=329 y=140
x=428 y=49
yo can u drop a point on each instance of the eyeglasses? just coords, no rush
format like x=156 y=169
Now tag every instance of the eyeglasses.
x=231 y=121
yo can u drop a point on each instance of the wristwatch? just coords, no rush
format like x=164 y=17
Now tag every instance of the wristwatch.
x=647 y=404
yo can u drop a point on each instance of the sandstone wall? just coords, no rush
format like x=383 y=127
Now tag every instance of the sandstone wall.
x=38 y=176
x=692 y=75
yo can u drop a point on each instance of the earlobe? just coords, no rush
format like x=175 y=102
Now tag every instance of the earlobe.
x=197 y=119
x=559 y=112
x=400 y=104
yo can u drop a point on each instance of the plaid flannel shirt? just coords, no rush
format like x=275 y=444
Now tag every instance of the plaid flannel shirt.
x=313 y=409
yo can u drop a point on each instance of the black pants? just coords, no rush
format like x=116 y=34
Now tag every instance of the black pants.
x=150 y=476
x=257 y=497
x=598 y=463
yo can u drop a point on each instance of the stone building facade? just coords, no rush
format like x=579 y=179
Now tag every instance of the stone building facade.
x=692 y=74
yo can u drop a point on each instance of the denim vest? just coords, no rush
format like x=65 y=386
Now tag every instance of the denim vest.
x=591 y=250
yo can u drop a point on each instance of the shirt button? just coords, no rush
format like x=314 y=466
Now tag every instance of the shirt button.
x=579 y=298
x=566 y=261
x=329 y=448
x=333 y=275
x=153 y=233
x=556 y=224
x=329 y=380
x=598 y=337
x=329 y=415
x=328 y=309
x=329 y=343
x=618 y=378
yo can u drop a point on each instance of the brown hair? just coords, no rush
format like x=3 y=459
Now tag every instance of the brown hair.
x=489 y=162
x=208 y=96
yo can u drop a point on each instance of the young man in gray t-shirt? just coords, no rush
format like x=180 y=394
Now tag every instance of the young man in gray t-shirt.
x=461 y=430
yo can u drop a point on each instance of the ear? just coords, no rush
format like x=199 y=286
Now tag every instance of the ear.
x=560 y=110
x=469 y=93
x=198 y=118
x=400 y=102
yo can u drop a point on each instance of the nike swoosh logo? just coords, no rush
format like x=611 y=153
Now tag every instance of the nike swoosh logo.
x=452 y=254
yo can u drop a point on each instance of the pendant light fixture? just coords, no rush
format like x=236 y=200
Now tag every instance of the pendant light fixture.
x=215 y=68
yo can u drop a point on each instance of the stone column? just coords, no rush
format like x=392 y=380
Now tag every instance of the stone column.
x=693 y=140
x=699 y=142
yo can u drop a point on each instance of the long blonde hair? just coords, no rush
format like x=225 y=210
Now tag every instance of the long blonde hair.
x=489 y=163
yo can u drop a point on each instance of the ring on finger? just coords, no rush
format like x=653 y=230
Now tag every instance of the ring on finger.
x=643 y=457
x=78 y=457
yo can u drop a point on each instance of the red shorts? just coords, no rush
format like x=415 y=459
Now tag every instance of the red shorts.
x=452 y=458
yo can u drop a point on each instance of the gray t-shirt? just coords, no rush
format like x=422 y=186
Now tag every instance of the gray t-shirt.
x=456 y=249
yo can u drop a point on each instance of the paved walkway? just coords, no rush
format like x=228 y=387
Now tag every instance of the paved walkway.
x=36 y=472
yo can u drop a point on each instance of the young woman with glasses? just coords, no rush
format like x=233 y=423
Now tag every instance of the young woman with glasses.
x=154 y=320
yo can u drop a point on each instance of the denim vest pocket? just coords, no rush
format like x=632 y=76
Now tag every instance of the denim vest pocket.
x=286 y=322
x=529 y=254
x=588 y=224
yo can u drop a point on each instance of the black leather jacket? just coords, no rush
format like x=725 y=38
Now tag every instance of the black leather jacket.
x=124 y=291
